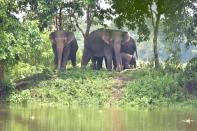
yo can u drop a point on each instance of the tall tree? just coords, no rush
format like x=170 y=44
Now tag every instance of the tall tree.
x=9 y=26
x=92 y=11
x=133 y=14
x=77 y=10
x=69 y=15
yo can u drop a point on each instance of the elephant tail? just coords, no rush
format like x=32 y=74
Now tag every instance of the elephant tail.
x=136 y=54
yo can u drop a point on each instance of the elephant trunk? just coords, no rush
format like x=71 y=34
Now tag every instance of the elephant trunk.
x=60 y=47
x=118 y=56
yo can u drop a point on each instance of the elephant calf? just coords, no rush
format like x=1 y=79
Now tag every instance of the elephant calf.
x=128 y=61
x=128 y=51
x=64 y=47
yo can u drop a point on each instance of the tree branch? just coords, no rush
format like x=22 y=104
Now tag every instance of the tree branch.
x=152 y=17
x=77 y=25
x=89 y=20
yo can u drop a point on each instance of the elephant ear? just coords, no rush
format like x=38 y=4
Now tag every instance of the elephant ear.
x=70 y=37
x=52 y=37
x=126 y=38
x=105 y=36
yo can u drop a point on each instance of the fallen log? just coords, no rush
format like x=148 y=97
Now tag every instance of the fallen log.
x=126 y=70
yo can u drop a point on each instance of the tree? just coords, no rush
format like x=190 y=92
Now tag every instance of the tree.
x=69 y=15
x=133 y=14
x=78 y=9
x=91 y=10
x=15 y=37
x=9 y=27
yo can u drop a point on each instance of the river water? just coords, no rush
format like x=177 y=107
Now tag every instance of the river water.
x=42 y=118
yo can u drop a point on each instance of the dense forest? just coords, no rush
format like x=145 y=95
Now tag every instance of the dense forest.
x=165 y=32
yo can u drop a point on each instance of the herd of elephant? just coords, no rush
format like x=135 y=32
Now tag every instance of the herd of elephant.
x=116 y=47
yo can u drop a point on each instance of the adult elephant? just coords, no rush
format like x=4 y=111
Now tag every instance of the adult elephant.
x=97 y=63
x=128 y=54
x=102 y=43
x=64 y=47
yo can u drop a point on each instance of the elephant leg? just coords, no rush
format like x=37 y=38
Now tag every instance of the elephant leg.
x=99 y=63
x=55 y=54
x=65 y=56
x=94 y=65
x=108 y=57
x=73 y=59
x=133 y=62
x=114 y=62
x=85 y=58
x=126 y=65
x=109 y=63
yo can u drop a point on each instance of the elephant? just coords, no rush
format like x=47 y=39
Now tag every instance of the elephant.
x=102 y=43
x=128 y=61
x=97 y=63
x=64 y=45
x=128 y=51
x=129 y=47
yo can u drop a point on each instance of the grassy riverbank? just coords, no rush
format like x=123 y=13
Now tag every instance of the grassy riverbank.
x=144 y=87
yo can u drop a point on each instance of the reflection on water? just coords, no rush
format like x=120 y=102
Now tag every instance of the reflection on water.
x=80 y=119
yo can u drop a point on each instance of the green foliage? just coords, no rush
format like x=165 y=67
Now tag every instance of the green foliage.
x=23 y=70
x=22 y=98
x=173 y=64
x=36 y=47
x=72 y=87
x=84 y=87
x=189 y=78
x=177 y=16
x=132 y=13
x=6 y=87
x=190 y=72
x=191 y=65
x=8 y=46
x=154 y=87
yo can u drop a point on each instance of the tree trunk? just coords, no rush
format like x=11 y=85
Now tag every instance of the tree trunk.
x=155 y=48
x=56 y=23
x=89 y=19
x=1 y=72
x=60 y=18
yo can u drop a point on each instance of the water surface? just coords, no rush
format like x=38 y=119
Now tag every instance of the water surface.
x=94 y=119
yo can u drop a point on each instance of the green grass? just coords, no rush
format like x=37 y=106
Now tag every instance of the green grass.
x=153 y=88
x=82 y=87
x=145 y=87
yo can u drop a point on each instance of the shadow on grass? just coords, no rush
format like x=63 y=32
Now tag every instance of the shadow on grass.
x=6 y=88
x=73 y=74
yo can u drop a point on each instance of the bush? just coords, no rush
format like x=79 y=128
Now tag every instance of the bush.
x=153 y=87
x=5 y=87
x=23 y=70
x=189 y=79
x=72 y=87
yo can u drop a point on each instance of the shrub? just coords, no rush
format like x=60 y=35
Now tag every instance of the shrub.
x=72 y=87
x=153 y=88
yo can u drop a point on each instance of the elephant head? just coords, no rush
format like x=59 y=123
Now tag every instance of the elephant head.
x=129 y=46
x=61 y=39
x=115 y=38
